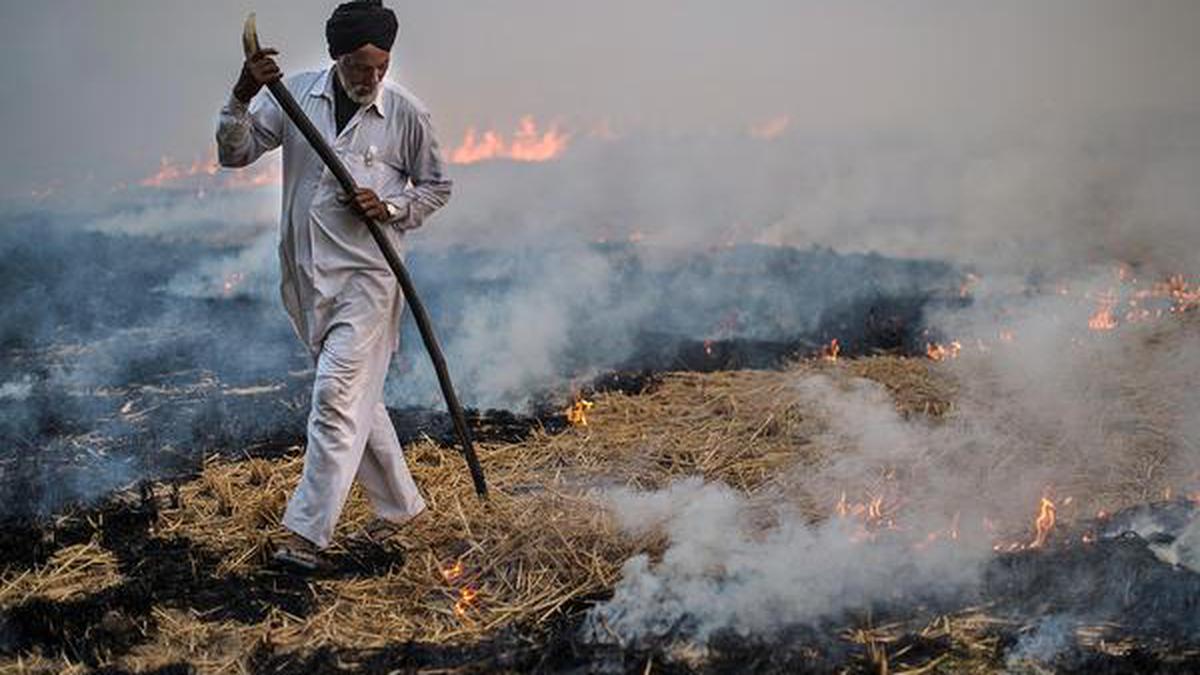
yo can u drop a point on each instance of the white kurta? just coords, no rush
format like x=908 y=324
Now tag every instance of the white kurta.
x=339 y=293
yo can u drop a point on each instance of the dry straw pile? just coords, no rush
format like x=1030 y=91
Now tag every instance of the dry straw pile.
x=469 y=568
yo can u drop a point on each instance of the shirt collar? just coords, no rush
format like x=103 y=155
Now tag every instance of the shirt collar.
x=323 y=87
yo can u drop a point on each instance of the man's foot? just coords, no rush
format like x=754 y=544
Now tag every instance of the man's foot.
x=298 y=554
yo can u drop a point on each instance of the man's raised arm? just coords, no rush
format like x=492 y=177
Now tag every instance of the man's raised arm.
x=251 y=123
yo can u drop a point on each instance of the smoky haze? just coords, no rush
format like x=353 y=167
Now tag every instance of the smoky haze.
x=1038 y=144
x=97 y=92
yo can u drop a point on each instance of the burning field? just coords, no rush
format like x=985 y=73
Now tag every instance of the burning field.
x=788 y=520
x=704 y=459
x=794 y=337
x=872 y=391
x=716 y=457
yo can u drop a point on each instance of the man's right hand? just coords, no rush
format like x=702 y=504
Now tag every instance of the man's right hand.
x=259 y=69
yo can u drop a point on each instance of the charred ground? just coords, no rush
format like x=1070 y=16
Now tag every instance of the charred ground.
x=124 y=356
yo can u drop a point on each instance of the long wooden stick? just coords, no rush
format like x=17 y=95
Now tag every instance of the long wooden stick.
x=424 y=325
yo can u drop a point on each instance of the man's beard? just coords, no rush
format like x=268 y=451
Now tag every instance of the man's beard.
x=359 y=94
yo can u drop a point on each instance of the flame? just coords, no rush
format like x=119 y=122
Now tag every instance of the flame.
x=528 y=144
x=940 y=352
x=466 y=596
x=1135 y=302
x=454 y=572
x=577 y=413
x=171 y=172
x=207 y=171
x=875 y=509
x=1184 y=297
x=770 y=129
x=1103 y=318
x=870 y=516
x=830 y=351
x=1044 y=522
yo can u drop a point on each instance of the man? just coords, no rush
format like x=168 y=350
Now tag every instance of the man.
x=338 y=291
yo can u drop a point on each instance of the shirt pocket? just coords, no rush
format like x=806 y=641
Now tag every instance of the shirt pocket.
x=370 y=170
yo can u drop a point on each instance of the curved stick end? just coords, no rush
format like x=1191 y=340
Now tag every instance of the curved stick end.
x=250 y=35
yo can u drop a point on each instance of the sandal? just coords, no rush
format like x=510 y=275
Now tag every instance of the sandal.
x=298 y=554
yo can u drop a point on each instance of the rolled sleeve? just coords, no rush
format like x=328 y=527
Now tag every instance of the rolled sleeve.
x=245 y=132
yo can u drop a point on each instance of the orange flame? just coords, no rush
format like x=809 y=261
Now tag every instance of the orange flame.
x=452 y=573
x=205 y=172
x=1103 y=318
x=171 y=172
x=830 y=351
x=1044 y=523
x=466 y=596
x=772 y=128
x=528 y=144
x=577 y=413
x=940 y=352
x=870 y=515
x=875 y=509
x=1183 y=296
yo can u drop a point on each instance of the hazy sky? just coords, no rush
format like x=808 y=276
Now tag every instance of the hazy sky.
x=107 y=87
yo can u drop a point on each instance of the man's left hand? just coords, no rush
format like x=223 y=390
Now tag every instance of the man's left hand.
x=368 y=203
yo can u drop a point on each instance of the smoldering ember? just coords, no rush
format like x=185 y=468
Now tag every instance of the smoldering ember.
x=828 y=337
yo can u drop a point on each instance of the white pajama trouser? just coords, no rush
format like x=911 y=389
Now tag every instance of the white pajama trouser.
x=350 y=436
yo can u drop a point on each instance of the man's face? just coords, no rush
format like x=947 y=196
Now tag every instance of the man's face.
x=361 y=71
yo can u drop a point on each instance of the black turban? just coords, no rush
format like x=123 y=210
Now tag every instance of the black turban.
x=359 y=22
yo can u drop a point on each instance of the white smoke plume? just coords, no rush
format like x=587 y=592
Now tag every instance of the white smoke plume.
x=719 y=573
x=1092 y=415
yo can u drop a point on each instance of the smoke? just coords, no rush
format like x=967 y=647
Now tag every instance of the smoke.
x=620 y=252
x=1033 y=166
x=722 y=570
x=1049 y=638
x=110 y=372
x=128 y=325
x=720 y=574
x=516 y=322
x=1090 y=419
x=1095 y=421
